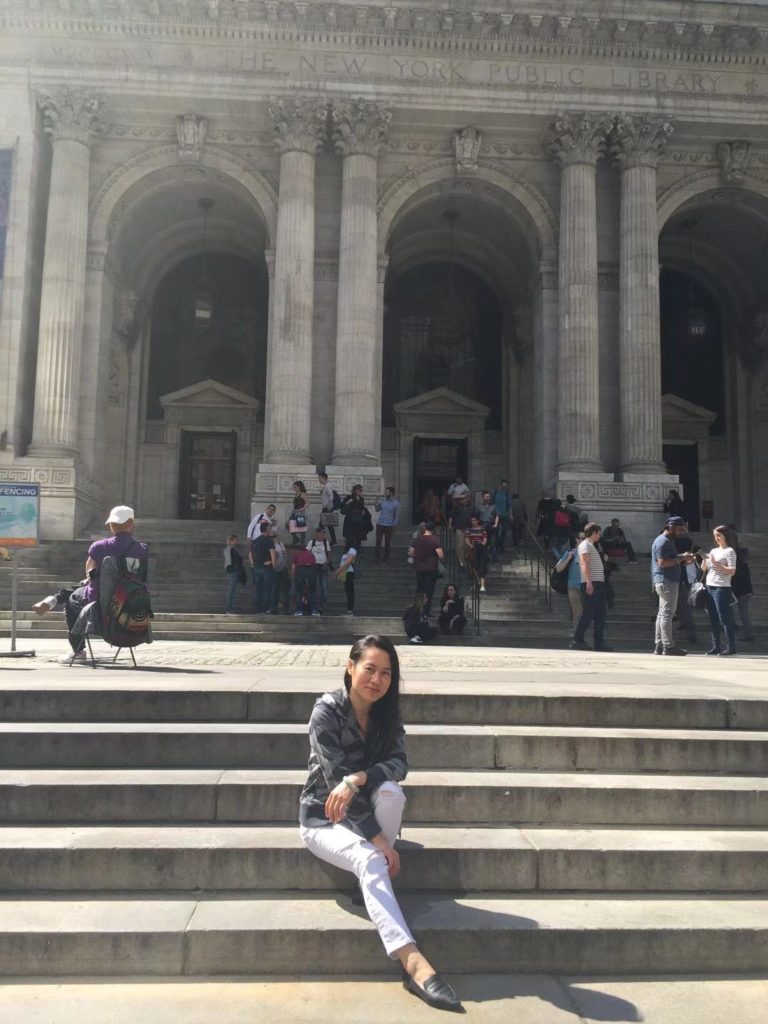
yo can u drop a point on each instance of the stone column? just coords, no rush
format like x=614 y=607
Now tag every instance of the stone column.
x=577 y=142
x=300 y=125
x=359 y=131
x=70 y=117
x=637 y=143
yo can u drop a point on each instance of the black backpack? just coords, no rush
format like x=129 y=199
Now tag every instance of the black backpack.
x=336 y=500
x=559 y=581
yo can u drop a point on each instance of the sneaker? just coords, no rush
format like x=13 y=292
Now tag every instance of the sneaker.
x=579 y=645
x=416 y=640
x=315 y=614
x=67 y=659
x=728 y=652
x=482 y=588
x=678 y=652
x=297 y=613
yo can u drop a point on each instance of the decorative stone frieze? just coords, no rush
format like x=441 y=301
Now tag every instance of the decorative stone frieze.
x=359 y=126
x=300 y=123
x=579 y=138
x=72 y=114
x=734 y=158
x=466 y=146
x=639 y=139
x=191 y=131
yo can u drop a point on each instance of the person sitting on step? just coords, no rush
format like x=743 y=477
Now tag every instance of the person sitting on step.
x=416 y=621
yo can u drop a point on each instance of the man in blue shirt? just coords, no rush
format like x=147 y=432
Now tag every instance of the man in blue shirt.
x=500 y=499
x=666 y=568
x=389 y=514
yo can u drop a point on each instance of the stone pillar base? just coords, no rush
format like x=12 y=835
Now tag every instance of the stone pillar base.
x=636 y=500
x=274 y=486
x=69 y=499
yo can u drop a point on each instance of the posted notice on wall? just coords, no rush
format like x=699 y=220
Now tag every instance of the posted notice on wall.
x=19 y=515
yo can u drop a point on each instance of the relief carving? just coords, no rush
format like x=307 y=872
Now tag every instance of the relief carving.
x=733 y=158
x=190 y=131
x=466 y=146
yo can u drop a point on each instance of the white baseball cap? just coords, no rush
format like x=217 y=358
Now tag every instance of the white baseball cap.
x=119 y=515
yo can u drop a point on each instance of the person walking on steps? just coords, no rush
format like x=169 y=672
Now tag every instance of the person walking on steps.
x=346 y=574
x=388 y=508
x=666 y=571
x=720 y=567
x=593 y=592
x=352 y=803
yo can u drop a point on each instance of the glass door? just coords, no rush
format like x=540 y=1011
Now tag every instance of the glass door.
x=207 y=475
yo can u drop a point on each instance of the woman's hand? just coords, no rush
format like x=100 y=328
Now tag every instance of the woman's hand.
x=391 y=854
x=337 y=802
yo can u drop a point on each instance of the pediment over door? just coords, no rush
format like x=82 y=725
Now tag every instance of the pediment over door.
x=685 y=421
x=441 y=411
x=209 y=393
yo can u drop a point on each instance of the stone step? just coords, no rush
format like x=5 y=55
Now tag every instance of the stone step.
x=267 y=934
x=456 y=747
x=64 y=698
x=464 y=798
x=223 y=858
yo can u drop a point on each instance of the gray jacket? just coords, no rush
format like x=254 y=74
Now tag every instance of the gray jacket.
x=337 y=748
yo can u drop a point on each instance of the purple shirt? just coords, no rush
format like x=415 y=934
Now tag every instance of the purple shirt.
x=118 y=544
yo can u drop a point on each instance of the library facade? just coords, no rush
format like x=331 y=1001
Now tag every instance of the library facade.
x=243 y=241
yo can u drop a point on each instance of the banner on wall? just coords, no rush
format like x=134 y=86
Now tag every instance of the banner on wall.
x=19 y=515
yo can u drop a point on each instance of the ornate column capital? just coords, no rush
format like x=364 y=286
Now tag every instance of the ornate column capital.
x=638 y=139
x=70 y=113
x=359 y=126
x=579 y=138
x=300 y=123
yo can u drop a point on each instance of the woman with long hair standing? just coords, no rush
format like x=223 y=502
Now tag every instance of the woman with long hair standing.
x=720 y=567
x=352 y=804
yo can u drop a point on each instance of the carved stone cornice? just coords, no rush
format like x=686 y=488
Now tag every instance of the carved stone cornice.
x=300 y=123
x=70 y=113
x=359 y=126
x=638 y=139
x=579 y=138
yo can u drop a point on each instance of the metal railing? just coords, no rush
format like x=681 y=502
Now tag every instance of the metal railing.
x=533 y=554
x=457 y=574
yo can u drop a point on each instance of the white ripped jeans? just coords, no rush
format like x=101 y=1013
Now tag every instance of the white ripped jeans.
x=338 y=845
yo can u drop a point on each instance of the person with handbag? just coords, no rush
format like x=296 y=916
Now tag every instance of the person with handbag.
x=352 y=804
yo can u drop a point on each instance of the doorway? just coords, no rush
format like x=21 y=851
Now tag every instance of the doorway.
x=682 y=460
x=207 y=487
x=437 y=461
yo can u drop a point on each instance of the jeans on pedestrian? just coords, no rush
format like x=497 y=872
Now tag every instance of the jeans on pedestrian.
x=73 y=601
x=322 y=586
x=306 y=579
x=383 y=533
x=575 y=602
x=425 y=584
x=340 y=846
x=720 y=611
x=349 y=591
x=668 y=593
x=281 y=590
x=263 y=581
x=232 y=582
x=595 y=610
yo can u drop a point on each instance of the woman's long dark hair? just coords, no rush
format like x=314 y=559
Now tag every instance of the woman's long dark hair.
x=385 y=713
x=445 y=597
x=731 y=537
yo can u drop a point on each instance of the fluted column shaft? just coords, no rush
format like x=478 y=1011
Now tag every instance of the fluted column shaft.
x=636 y=146
x=300 y=129
x=70 y=118
x=359 y=131
x=578 y=141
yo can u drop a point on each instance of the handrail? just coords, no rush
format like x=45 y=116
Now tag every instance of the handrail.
x=534 y=553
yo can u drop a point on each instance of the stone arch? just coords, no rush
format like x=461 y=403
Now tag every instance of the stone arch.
x=158 y=158
x=698 y=184
x=489 y=175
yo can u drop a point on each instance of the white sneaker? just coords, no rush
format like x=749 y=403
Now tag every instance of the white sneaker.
x=482 y=588
x=67 y=659
x=416 y=640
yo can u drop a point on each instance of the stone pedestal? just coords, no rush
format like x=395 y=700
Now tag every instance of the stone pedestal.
x=69 y=499
x=70 y=118
x=300 y=126
x=360 y=129
x=577 y=142
x=637 y=143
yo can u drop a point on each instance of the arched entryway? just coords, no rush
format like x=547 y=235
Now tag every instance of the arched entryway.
x=714 y=331
x=458 y=326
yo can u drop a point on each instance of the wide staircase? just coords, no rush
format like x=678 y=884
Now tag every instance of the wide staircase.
x=149 y=828
x=188 y=593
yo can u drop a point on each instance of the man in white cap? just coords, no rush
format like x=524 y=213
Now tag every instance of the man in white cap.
x=122 y=542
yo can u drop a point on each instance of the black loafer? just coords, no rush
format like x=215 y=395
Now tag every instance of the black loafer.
x=436 y=992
